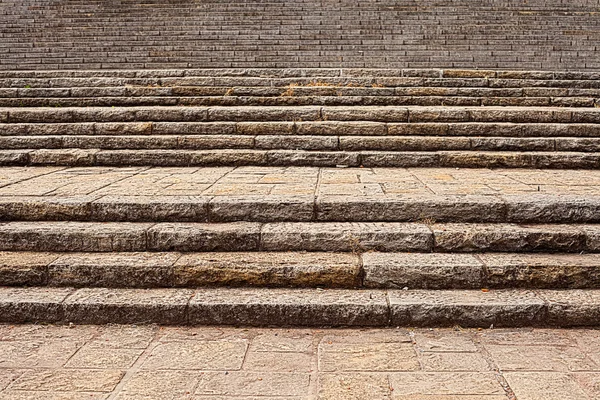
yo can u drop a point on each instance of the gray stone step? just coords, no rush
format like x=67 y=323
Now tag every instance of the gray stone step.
x=230 y=204
x=300 y=142
x=301 y=128
x=294 y=100
x=302 y=113
x=297 y=236
x=242 y=157
x=290 y=269
x=301 y=307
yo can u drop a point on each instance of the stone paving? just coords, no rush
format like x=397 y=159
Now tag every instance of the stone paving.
x=292 y=181
x=150 y=362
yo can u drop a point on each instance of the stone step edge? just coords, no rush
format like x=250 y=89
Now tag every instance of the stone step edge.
x=533 y=207
x=301 y=307
x=312 y=158
x=307 y=72
x=406 y=114
x=298 y=236
x=301 y=270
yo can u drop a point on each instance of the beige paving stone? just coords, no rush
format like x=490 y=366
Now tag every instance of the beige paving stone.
x=362 y=336
x=168 y=385
x=590 y=382
x=353 y=386
x=444 y=383
x=295 y=341
x=541 y=358
x=447 y=361
x=443 y=340
x=204 y=333
x=239 y=383
x=36 y=395
x=198 y=355
x=39 y=353
x=588 y=341
x=7 y=376
x=338 y=357
x=279 y=362
x=102 y=358
x=525 y=336
x=544 y=386
x=79 y=334
x=65 y=380
x=124 y=336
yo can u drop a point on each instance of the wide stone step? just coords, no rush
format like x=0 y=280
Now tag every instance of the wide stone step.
x=300 y=142
x=297 y=236
x=304 y=128
x=291 y=269
x=246 y=157
x=304 y=72
x=301 y=113
x=297 y=100
x=228 y=203
x=301 y=307
x=363 y=81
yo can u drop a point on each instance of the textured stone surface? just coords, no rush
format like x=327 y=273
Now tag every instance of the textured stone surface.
x=79 y=361
x=280 y=307
x=267 y=269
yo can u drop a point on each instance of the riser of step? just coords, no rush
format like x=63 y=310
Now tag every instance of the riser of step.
x=327 y=270
x=302 y=101
x=289 y=236
x=305 y=72
x=302 y=113
x=310 y=128
x=183 y=158
x=316 y=81
x=300 y=142
x=517 y=208
x=301 y=307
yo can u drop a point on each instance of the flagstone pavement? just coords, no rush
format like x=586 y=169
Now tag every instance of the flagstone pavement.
x=215 y=363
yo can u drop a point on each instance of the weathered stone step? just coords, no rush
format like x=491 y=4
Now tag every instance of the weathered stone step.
x=297 y=236
x=301 y=307
x=304 y=72
x=242 y=157
x=328 y=270
x=311 y=128
x=302 y=113
x=314 y=81
x=300 y=142
x=294 y=100
x=229 y=205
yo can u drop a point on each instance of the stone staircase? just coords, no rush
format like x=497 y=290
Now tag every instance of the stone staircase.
x=300 y=197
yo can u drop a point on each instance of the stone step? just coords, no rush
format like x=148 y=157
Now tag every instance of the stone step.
x=293 y=100
x=363 y=81
x=300 y=142
x=349 y=204
x=301 y=128
x=310 y=270
x=303 y=73
x=302 y=307
x=302 y=113
x=298 y=236
x=244 y=157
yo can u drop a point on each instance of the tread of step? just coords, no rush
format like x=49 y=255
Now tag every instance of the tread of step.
x=247 y=157
x=292 y=269
x=297 y=236
x=301 y=307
